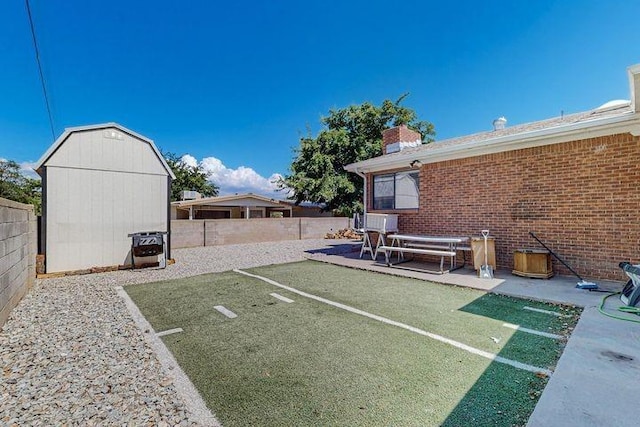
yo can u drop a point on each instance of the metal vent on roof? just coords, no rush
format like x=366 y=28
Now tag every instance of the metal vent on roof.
x=611 y=105
x=499 y=123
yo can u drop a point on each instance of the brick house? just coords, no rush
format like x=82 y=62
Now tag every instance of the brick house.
x=572 y=180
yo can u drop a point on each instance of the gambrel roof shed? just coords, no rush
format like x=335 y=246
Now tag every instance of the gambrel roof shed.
x=100 y=183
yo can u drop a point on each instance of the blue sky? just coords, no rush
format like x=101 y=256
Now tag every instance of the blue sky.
x=235 y=84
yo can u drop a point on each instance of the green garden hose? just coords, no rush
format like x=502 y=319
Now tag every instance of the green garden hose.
x=624 y=309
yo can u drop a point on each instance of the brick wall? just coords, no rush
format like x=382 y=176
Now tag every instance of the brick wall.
x=17 y=254
x=581 y=198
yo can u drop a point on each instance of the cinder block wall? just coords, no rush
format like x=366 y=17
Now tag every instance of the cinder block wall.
x=193 y=233
x=581 y=198
x=187 y=233
x=18 y=245
x=233 y=231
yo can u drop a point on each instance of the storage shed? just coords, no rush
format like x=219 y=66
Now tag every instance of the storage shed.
x=99 y=184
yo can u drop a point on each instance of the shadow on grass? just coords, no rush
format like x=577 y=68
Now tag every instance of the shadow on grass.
x=496 y=398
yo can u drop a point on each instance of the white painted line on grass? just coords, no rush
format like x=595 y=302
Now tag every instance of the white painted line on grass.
x=436 y=337
x=169 y=332
x=532 y=331
x=230 y=314
x=539 y=310
x=281 y=298
x=198 y=411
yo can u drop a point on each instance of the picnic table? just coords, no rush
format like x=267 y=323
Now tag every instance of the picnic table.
x=442 y=246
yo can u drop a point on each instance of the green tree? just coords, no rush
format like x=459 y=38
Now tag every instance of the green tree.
x=349 y=135
x=18 y=187
x=189 y=178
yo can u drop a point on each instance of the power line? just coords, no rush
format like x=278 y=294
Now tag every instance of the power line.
x=44 y=87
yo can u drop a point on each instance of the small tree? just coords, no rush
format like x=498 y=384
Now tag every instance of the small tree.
x=349 y=135
x=189 y=178
x=18 y=187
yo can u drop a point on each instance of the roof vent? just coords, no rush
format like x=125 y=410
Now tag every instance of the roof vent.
x=612 y=105
x=499 y=123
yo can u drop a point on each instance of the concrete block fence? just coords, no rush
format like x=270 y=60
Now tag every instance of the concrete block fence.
x=18 y=246
x=194 y=233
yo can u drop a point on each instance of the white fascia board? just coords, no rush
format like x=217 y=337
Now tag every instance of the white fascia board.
x=628 y=122
x=52 y=148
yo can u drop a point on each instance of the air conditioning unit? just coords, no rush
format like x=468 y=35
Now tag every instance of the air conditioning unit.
x=191 y=195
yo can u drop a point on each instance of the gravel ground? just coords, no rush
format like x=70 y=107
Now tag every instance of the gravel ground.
x=72 y=354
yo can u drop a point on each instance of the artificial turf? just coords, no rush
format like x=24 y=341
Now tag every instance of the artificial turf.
x=308 y=363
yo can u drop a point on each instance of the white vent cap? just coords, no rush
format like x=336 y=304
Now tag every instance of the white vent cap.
x=499 y=123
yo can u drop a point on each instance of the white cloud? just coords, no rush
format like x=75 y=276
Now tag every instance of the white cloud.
x=240 y=180
x=26 y=169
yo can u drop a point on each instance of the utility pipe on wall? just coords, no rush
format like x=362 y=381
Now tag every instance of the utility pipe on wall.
x=364 y=195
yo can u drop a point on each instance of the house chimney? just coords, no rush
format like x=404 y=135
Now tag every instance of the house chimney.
x=499 y=123
x=399 y=138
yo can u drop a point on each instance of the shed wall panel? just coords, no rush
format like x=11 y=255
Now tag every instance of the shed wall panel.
x=90 y=213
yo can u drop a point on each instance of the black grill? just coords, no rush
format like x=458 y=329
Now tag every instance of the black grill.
x=147 y=243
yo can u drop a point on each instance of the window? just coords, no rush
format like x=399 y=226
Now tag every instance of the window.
x=396 y=190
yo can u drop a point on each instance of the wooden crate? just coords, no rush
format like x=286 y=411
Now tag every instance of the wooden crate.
x=477 y=249
x=534 y=263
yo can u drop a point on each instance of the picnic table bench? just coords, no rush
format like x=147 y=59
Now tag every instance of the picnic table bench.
x=442 y=246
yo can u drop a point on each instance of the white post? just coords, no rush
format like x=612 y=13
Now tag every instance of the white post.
x=364 y=201
x=191 y=212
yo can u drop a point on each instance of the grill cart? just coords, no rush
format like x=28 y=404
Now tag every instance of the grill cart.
x=148 y=243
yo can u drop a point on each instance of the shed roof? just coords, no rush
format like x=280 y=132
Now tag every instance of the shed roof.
x=68 y=131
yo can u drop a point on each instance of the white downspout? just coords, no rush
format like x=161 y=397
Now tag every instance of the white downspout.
x=364 y=195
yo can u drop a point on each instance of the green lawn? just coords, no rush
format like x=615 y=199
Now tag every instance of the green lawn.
x=309 y=363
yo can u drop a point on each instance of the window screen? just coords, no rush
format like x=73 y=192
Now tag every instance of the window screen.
x=396 y=191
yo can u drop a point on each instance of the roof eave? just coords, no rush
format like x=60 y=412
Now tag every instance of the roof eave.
x=227 y=199
x=625 y=123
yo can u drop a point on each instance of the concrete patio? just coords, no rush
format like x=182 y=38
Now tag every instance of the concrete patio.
x=596 y=379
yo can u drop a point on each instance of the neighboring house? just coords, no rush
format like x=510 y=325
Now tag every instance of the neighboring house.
x=100 y=183
x=307 y=209
x=239 y=206
x=573 y=180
